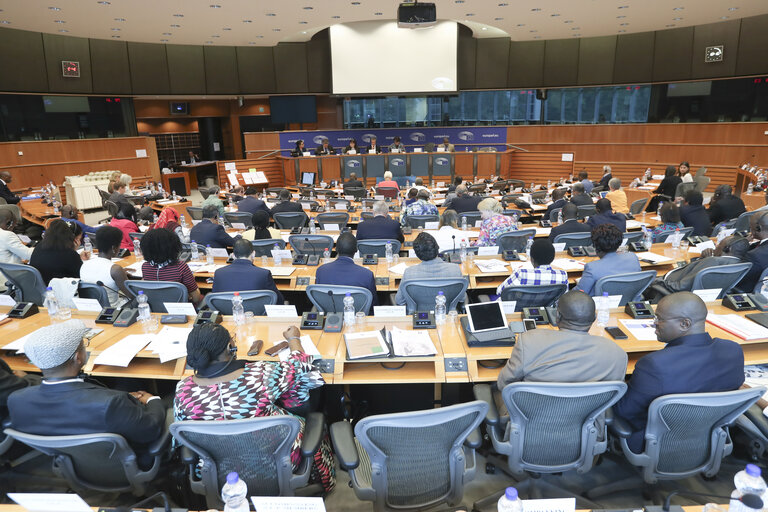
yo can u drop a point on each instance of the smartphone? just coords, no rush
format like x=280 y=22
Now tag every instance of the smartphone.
x=616 y=333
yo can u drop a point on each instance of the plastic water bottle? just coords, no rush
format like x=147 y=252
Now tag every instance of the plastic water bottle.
x=87 y=247
x=154 y=218
x=388 y=252
x=234 y=494
x=676 y=239
x=647 y=238
x=464 y=223
x=658 y=208
x=750 y=188
x=747 y=481
x=549 y=184
x=327 y=255
x=182 y=221
x=463 y=245
x=509 y=502
x=144 y=312
x=764 y=289
x=208 y=255
x=51 y=304
x=238 y=312
x=603 y=313
x=195 y=253
x=312 y=226
x=137 y=248
x=349 y=309
x=440 y=308
x=528 y=246
x=560 y=217
x=276 y=255
x=514 y=220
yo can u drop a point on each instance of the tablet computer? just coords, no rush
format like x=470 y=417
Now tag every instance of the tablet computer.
x=486 y=316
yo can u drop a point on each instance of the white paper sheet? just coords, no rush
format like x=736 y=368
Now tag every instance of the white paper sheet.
x=284 y=254
x=230 y=166
x=559 y=247
x=399 y=268
x=411 y=343
x=169 y=343
x=699 y=248
x=288 y=504
x=24 y=238
x=709 y=294
x=655 y=258
x=51 y=502
x=488 y=250
x=388 y=311
x=134 y=269
x=281 y=271
x=508 y=306
x=549 y=505
x=280 y=310
x=739 y=326
x=306 y=343
x=492 y=265
x=642 y=329
x=331 y=227
x=567 y=264
x=141 y=153
x=18 y=344
x=7 y=300
x=123 y=352
x=218 y=252
x=635 y=224
x=86 y=304
x=180 y=308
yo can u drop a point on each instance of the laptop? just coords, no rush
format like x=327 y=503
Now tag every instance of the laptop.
x=487 y=321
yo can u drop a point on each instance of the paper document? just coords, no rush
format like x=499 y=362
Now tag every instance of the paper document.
x=388 y=311
x=432 y=225
x=288 y=504
x=306 y=343
x=567 y=264
x=698 y=248
x=51 y=502
x=281 y=271
x=365 y=344
x=411 y=343
x=709 y=294
x=86 y=304
x=280 y=310
x=653 y=257
x=218 y=252
x=18 y=345
x=399 y=268
x=169 y=343
x=642 y=329
x=230 y=166
x=549 y=505
x=7 y=300
x=284 y=254
x=24 y=238
x=738 y=326
x=508 y=306
x=634 y=224
x=492 y=265
x=180 y=308
x=123 y=352
x=134 y=269
x=238 y=226
x=488 y=250
x=543 y=231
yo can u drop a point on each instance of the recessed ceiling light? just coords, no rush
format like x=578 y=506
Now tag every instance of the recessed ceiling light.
x=575 y=28
x=55 y=8
x=59 y=21
x=178 y=15
x=470 y=14
x=336 y=17
x=537 y=37
x=119 y=19
x=678 y=8
x=677 y=19
x=5 y=22
x=259 y=37
x=209 y=42
x=303 y=23
x=215 y=35
x=724 y=17
x=623 y=7
x=536 y=9
x=115 y=37
x=533 y=31
x=175 y=26
x=163 y=40
x=732 y=8
x=271 y=14
x=167 y=34
x=568 y=21
x=670 y=25
x=247 y=21
x=380 y=13
x=498 y=19
x=503 y=4
x=355 y=3
x=251 y=42
x=622 y=31
x=521 y=24
x=620 y=17
x=115 y=30
x=308 y=8
x=576 y=35
x=304 y=32
x=623 y=24
x=226 y=28
x=63 y=30
x=484 y=28
x=103 y=2
x=459 y=1
x=215 y=6
x=554 y=15
x=275 y=30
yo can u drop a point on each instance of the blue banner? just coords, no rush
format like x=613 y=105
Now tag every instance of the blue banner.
x=463 y=138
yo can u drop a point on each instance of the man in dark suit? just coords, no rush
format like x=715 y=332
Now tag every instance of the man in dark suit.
x=578 y=197
x=251 y=203
x=381 y=226
x=606 y=177
x=373 y=146
x=344 y=271
x=758 y=255
x=242 y=274
x=11 y=381
x=118 y=197
x=725 y=205
x=324 y=149
x=570 y=224
x=463 y=202
x=67 y=404
x=5 y=192
x=605 y=215
x=352 y=182
x=209 y=232
x=285 y=204
x=456 y=182
x=691 y=362
x=558 y=201
x=693 y=214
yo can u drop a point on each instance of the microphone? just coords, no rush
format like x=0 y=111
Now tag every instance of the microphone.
x=453 y=237
x=119 y=292
x=333 y=302
x=165 y=508
x=750 y=500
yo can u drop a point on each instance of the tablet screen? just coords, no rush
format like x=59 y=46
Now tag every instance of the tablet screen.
x=486 y=316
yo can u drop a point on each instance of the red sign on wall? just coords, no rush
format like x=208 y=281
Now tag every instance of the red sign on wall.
x=70 y=68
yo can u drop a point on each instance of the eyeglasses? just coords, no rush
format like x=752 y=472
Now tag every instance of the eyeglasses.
x=657 y=320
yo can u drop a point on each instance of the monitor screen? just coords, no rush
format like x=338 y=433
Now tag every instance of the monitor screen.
x=293 y=109
x=486 y=316
x=307 y=178
x=59 y=104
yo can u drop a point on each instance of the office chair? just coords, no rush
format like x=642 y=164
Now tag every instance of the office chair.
x=534 y=296
x=259 y=449
x=759 y=284
x=637 y=207
x=335 y=202
x=111 y=207
x=264 y=246
x=158 y=292
x=514 y=240
x=253 y=300
x=420 y=293
x=513 y=183
x=477 y=189
x=509 y=199
x=239 y=217
x=411 y=460
x=686 y=434
x=329 y=298
x=377 y=247
x=538 y=413
x=633 y=236
x=101 y=462
x=357 y=192
x=630 y=285
x=310 y=244
x=93 y=291
x=290 y=220
x=338 y=218
x=722 y=277
x=274 y=191
x=701 y=179
x=472 y=218
x=501 y=185
x=419 y=221
x=742 y=221
x=683 y=188
x=584 y=211
x=195 y=212
x=387 y=192
x=26 y=283
x=366 y=216
x=574 y=239
x=662 y=237
x=204 y=191
x=554 y=214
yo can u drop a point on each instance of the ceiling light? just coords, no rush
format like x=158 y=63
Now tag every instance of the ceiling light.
x=167 y=34
x=576 y=35
x=55 y=8
x=355 y=3
x=59 y=21
x=554 y=15
x=533 y=31
x=620 y=17
x=209 y=42
x=5 y=22
x=470 y=14
x=503 y=4
x=678 y=8
x=215 y=6
x=677 y=19
x=459 y=1
x=226 y=28
x=251 y=42
x=178 y=15
x=484 y=28
x=304 y=32
x=308 y=8
x=115 y=37
x=247 y=21
x=622 y=31
x=536 y=9
x=175 y=26
x=568 y=21
x=498 y=19
x=575 y=28
x=336 y=17
x=623 y=7
x=275 y=30
x=271 y=14
x=671 y=25
x=103 y=2
x=63 y=30
x=163 y=40
x=521 y=24
x=537 y=37
x=215 y=35
x=623 y=24
x=732 y=8
x=303 y=23
x=119 y=19
x=724 y=17
x=380 y=13
x=115 y=30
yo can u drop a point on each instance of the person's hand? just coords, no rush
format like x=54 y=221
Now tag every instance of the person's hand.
x=84 y=256
x=291 y=332
x=142 y=396
x=292 y=335
x=706 y=253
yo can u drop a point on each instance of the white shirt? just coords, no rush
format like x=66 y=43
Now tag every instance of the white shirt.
x=444 y=239
x=11 y=248
x=688 y=178
x=100 y=269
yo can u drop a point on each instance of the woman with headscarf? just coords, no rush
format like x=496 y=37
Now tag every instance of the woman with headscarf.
x=169 y=220
x=261 y=229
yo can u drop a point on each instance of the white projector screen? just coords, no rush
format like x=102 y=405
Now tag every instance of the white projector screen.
x=374 y=57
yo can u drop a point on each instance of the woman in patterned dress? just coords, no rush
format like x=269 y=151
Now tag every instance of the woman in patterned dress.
x=225 y=388
x=494 y=222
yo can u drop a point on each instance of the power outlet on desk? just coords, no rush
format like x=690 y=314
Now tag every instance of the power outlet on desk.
x=324 y=365
x=382 y=281
x=302 y=281
x=455 y=364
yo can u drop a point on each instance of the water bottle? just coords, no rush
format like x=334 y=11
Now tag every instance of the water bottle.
x=154 y=218
x=388 y=252
x=195 y=253
x=238 y=312
x=676 y=239
x=560 y=217
x=764 y=289
x=514 y=220
x=509 y=502
x=51 y=304
x=747 y=481
x=750 y=188
x=658 y=208
x=182 y=221
x=528 y=246
x=144 y=312
x=464 y=223
x=603 y=314
x=349 y=309
x=463 y=245
x=234 y=494
x=440 y=308
x=87 y=247
x=647 y=238
x=276 y=255
x=137 y=249
x=55 y=207
x=208 y=255
x=327 y=255
x=312 y=227
x=549 y=184
x=221 y=220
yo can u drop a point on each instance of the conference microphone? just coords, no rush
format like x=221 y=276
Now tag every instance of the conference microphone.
x=454 y=243
x=165 y=508
x=333 y=302
x=750 y=500
x=119 y=292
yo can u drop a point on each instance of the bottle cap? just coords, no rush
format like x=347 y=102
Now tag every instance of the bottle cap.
x=49 y=289
x=605 y=294
x=510 y=493
x=237 y=294
x=232 y=478
x=753 y=470
x=440 y=292
x=141 y=292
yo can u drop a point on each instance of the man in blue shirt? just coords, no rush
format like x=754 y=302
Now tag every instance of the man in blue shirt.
x=251 y=203
x=605 y=215
x=209 y=232
x=344 y=270
x=606 y=238
x=242 y=274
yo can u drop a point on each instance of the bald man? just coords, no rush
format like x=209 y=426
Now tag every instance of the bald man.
x=758 y=254
x=5 y=192
x=691 y=362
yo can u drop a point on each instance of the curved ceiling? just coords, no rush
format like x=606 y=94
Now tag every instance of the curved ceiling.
x=266 y=23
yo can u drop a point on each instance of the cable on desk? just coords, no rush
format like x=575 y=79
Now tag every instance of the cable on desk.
x=490 y=366
x=383 y=365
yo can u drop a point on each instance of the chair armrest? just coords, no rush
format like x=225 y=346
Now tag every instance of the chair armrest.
x=313 y=434
x=483 y=392
x=474 y=440
x=618 y=426
x=187 y=456
x=660 y=290
x=344 y=445
x=160 y=444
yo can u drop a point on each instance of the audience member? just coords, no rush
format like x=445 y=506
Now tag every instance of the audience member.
x=542 y=255
x=456 y=182
x=606 y=178
x=605 y=215
x=422 y=206
x=125 y=222
x=431 y=265
x=558 y=201
x=758 y=254
x=463 y=202
x=324 y=148
x=724 y=205
x=381 y=226
x=10 y=381
x=617 y=196
x=397 y=146
x=261 y=229
x=418 y=184
x=667 y=187
x=12 y=250
x=494 y=222
x=344 y=271
x=690 y=362
x=102 y=270
x=606 y=238
x=285 y=204
x=353 y=182
x=161 y=250
x=388 y=181
x=683 y=171
x=670 y=220
x=585 y=181
x=251 y=203
x=69 y=213
x=56 y=254
x=570 y=223
x=694 y=215
x=411 y=198
x=731 y=249
x=242 y=274
x=5 y=192
x=169 y=220
x=351 y=149
x=227 y=388
x=118 y=197
x=214 y=200
x=126 y=179
x=448 y=236
x=579 y=197
x=209 y=232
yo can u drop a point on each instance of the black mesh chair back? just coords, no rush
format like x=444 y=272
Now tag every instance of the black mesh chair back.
x=158 y=292
x=111 y=207
x=28 y=284
x=584 y=211
x=683 y=188
x=574 y=239
x=420 y=293
x=204 y=191
x=104 y=196
x=429 y=147
x=630 y=285
x=509 y=199
x=310 y=244
x=534 y=296
x=554 y=214
x=500 y=185
x=477 y=189
x=633 y=236
x=333 y=203
x=93 y=291
x=274 y=191
x=742 y=222
x=516 y=183
x=264 y=246
x=377 y=247
x=357 y=192
x=366 y=215
x=514 y=240
x=325 y=193
x=244 y=218
x=195 y=212
x=759 y=285
x=290 y=220
x=723 y=277
x=418 y=221
x=662 y=237
x=340 y=219
x=368 y=203
x=253 y=300
x=472 y=218
x=637 y=207
x=387 y=192
x=329 y=298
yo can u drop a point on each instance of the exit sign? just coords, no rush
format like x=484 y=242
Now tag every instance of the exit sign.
x=70 y=68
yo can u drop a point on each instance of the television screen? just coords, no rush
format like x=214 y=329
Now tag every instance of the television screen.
x=179 y=108
x=60 y=104
x=293 y=109
x=307 y=178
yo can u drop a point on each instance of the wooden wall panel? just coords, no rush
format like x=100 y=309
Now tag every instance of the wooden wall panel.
x=561 y=62
x=596 y=57
x=149 y=68
x=291 y=68
x=526 y=64
x=260 y=143
x=54 y=160
x=634 y=58
x=186 y=69
x=24 y=67
x=255 y=69
x=111 y=71
x=753 y=40
x=221 y=70
x=492 y=57
x=725 y=33
x=673 y=54
x=536 y=166
x=59 y=48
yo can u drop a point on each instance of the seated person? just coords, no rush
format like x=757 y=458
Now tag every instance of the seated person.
x=418 y=184
x=299 y=150
x=102 y=270
x=12 y=249
x=607 y=177
x=617 y=196
x=251 y=203
x=344 y=271
x=381 y=226
x=694 y=215
x=352 y=182
x=427 y=250
x=226 y=388
x=169 y=220
x=446 y=145
x=448 y=235
x=351 y=149
x=261 y=229
x=237 y=194
x=724 y=205
x=494 y=223
x=69 y=213
x=214 y=200
x=570 y=223
x=667 y=188
x=463 y=202
x=542 y=255
x=56 y=254
x=285 y=204
x=69 y=404
x=10 y=381
x=209 y=232
x=456 y=182
x=388 y=181
x=757 y=255
x=411 y=197
x=373 y=147
x=691 y=362
x=422 y=206
x=161 y=250
x=125 y=221
x=584 y=179
x=5 y=192
x=605 y=215
x=579 y=197
x=324 y=148
x=670 y=220
x=242 y=274
x=396 y=146
x=558 y=201
x=118 y=196
x=126 y=179
x=684 y=170
x=606 y=238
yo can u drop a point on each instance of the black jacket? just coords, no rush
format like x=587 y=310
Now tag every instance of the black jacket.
x=287 y=206
x=727 y=208
x=206 y=232
x=352 y=184
x=369 y=148
x=242 y=275
x=696 y=217
x=668 y=186
x=9 y=383
x=322 y=151
x=569 y=226
x=6 y=194
x=758 y=257
x=462 y=204
x=582 y=200
x=380 y=228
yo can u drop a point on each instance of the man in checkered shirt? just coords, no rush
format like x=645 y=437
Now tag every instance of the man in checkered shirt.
x=542 y=254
